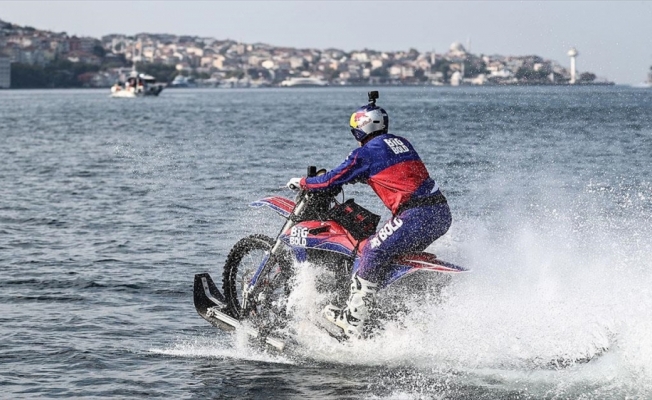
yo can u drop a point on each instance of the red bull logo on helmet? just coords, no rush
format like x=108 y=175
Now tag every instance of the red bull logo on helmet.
x=359 y=119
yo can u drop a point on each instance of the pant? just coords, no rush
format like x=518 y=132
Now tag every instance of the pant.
x=412 y=230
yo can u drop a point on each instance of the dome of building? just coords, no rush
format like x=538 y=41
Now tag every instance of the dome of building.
x=456 y=47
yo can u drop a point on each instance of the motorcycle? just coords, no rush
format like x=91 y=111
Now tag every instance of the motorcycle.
x=259 y=270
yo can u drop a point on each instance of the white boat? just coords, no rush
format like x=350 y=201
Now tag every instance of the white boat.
x=181 y=81
x=309 y=81
x=647 y=84
x=137 y=85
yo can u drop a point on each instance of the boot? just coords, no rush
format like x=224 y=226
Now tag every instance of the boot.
x=351 y=319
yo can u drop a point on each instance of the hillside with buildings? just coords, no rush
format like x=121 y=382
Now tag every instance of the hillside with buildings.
x=40 y=58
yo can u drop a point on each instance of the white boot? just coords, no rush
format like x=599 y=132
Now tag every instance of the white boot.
x=351 y=319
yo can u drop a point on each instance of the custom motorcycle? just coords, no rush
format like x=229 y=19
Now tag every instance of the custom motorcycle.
x=320 y=230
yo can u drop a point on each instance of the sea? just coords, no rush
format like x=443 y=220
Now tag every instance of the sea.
x=109 y=207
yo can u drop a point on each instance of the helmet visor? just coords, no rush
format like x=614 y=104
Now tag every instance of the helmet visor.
x=358 y=134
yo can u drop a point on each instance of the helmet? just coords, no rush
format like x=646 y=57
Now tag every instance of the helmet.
x=368 y=120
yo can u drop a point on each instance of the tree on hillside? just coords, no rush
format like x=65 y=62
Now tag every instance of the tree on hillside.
x=474 y=67
x=381 y=72
x=25 y=76
x=112 y=60
x=587 y=77
x=98 y=51
x=443 y=66
x=530 y=75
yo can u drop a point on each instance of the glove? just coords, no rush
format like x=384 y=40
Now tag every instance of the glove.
x=294 y=184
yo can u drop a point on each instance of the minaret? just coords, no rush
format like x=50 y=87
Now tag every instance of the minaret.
x=572 y=53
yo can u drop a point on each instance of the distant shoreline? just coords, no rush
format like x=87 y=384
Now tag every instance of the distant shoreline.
x=280 y=88
x=33 y=58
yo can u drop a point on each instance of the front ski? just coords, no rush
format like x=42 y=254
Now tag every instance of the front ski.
x=210 y=304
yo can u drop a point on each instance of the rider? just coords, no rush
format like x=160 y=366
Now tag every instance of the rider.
x=420 y=214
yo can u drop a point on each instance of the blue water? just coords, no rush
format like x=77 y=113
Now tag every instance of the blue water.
x=110 y=206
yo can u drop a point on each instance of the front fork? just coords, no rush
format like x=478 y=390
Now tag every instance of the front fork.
x=253 y=292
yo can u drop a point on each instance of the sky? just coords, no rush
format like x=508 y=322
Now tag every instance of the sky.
x=614 y=39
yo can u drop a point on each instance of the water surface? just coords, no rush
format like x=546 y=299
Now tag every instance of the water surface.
x=110 y=206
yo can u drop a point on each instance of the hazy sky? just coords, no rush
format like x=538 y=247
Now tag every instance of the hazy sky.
x=614 y=39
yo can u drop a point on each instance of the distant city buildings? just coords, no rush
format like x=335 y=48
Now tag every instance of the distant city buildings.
x=5 y=72
x=205 y=61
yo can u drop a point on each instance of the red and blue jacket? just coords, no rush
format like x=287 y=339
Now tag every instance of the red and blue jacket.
x=387 y=163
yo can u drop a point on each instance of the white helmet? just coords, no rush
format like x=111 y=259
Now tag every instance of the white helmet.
x=368 y=120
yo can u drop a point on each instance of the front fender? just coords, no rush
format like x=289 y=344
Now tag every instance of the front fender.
x=281 y=205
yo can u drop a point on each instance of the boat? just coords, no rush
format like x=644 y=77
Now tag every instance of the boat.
x=300 y=82
x=137 y=85
x=181 y=81
x=648 y=83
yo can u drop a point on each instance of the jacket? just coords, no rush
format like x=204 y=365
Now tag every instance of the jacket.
x=389 y=164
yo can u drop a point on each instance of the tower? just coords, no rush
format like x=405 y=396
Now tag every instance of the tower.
x=572 y=53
